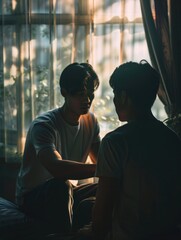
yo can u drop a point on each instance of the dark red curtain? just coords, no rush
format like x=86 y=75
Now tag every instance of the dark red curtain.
x=162 y=20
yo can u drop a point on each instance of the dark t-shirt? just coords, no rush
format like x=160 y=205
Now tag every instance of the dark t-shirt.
x=145 y=157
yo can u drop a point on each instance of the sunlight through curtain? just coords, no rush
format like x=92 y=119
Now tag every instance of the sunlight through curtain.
x=39 y=38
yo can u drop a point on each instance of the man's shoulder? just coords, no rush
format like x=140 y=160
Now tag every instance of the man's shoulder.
x=117 y=135
x=89 y=117
x=48 y=115
x=120 y=131
x=45 y=119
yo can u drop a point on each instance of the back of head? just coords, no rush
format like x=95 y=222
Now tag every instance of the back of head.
x=139 y=80
x=77 y=77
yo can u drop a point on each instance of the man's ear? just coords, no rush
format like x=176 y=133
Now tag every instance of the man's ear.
x=63 y=92
x=125 y=99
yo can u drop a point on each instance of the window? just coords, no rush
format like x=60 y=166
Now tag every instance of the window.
x=41 y=37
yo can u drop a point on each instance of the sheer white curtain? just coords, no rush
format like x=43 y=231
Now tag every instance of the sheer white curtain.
x=39 y=38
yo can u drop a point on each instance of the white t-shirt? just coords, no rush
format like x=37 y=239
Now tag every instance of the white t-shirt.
x=51 y=131
x=144 y=157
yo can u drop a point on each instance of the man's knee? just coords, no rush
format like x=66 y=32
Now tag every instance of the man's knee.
x=60 y=188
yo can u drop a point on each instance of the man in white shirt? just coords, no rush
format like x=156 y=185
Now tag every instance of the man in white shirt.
x=57 y=146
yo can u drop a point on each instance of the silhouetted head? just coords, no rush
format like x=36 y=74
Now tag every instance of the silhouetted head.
x=140 y=81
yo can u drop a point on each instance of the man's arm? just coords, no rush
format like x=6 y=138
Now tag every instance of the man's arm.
x=102 y=213
x=64 y=169
x=94 y=151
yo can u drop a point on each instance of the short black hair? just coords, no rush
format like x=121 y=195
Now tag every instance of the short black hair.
x=78 y=77
x=139 y=80
x=94 y=79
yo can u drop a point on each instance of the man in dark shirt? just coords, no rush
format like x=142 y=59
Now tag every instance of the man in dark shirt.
x=139 y=164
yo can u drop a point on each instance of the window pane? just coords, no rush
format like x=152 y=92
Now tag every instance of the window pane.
x=40 y=38
x=10 y=79
x=107 y=10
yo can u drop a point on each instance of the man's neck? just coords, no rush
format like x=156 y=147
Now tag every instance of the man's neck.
x=69 y=117
x=141 y=116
